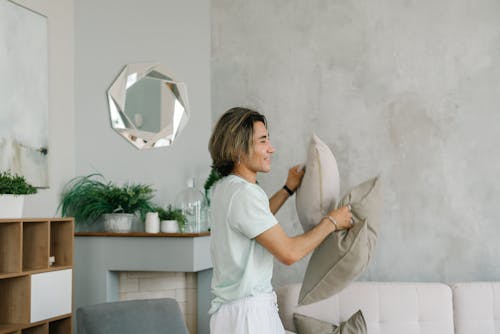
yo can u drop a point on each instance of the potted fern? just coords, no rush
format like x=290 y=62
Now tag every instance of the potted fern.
x=172 y=219
x=90 y=197
x=13 y=187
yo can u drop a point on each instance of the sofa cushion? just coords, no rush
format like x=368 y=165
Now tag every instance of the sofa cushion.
x=308 y=325
x=344 y=255
x=476 y=307
x=320 y=187
x=388 y=308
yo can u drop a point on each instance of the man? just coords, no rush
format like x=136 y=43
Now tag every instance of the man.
x=245 y=234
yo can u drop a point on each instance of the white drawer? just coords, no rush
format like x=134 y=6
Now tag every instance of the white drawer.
x=51 y=294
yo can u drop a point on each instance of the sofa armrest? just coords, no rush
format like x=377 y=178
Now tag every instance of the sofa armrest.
x=476 y=307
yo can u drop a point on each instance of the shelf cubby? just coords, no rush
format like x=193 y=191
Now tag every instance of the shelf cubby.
x=61 y=326
x=35 y=245
x=14 y=300
x=9 y=329
x=10 y=247
x=61 y=235
x=39 y=329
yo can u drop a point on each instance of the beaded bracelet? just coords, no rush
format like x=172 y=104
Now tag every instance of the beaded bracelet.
x=334 y=222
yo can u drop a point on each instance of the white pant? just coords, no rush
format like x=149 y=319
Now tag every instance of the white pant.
x=250 y=315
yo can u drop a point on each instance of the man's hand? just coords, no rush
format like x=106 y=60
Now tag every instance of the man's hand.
x=295 y=175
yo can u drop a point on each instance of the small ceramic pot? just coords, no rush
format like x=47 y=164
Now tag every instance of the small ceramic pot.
x=169 y=226
x=152 y=222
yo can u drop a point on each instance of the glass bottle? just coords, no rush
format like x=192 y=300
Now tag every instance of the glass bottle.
x=191 y=202
x=205 y=216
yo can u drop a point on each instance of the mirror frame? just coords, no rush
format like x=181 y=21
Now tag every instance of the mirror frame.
x=121 y=122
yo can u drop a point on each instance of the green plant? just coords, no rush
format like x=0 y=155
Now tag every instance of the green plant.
x=15 y=184
x=88 y=197
x=213 y=177
x=171 y=213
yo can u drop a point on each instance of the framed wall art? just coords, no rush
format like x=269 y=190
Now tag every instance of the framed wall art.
x=24 y=93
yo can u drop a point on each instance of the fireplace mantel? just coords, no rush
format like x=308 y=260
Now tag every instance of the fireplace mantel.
x=99 y=257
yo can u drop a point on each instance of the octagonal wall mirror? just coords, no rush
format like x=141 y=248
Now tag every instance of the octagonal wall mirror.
x=147 y=106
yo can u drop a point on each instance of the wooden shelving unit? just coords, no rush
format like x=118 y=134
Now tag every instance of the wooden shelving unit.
x=35 y=296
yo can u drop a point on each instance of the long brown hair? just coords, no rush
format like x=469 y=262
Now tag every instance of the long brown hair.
x=232 y=137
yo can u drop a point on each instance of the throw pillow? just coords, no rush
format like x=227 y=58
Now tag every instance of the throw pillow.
x=344 y=255
x=307 y=325
x=320 y=187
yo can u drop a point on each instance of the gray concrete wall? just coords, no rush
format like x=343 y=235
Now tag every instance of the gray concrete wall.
x=408 y=89
x=109 y=35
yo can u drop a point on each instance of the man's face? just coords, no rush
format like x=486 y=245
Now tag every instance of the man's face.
x=259 y=159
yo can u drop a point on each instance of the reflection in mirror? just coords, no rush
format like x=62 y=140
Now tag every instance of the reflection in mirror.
x=147 y=106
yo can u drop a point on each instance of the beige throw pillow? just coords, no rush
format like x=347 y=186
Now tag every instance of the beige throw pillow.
x=344 y=255
x=319 y=191
x=307 y=325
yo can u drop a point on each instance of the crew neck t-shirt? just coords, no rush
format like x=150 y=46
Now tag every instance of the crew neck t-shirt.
x=241 y=266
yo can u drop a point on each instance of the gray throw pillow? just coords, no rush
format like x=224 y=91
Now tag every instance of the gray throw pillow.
x=307 y=325
x=319 y=190
x=344 y=255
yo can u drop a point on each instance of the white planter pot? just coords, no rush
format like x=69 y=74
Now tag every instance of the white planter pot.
x=118 y=222
x=169 y=226
x=11 y=206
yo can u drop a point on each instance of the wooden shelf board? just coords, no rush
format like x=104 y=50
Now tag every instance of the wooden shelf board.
x=139 y=234
x=59 y=317
x=44 y=270
x=9 y=328
x=62 y=220
x=10 y=275
x=41 y=322
x=35 y=220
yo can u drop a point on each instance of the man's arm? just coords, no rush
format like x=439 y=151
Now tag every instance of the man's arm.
x=293 y=180
x=289 y=250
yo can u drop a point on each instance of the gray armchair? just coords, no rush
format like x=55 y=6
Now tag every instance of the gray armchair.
x=150 y=316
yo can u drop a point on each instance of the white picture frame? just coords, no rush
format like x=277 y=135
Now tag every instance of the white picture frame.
x=24 y=144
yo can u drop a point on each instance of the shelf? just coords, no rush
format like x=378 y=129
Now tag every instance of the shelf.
x=14 y=300
x=10 y=247
x=35 y=245
x=140 y=234
x=61 y=326
x=39 y=329
x=10 y=275
x=57 y=325
x=53 y=268
x=27 y=283
x=61 y=235
x=9 y=329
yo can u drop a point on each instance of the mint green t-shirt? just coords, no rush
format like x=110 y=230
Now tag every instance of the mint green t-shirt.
x=241 y=266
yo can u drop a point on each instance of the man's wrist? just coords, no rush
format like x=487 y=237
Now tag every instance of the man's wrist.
x=288 y=190
x=333 y=221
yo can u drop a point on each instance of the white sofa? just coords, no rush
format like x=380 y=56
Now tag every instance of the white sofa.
x=409 y=308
